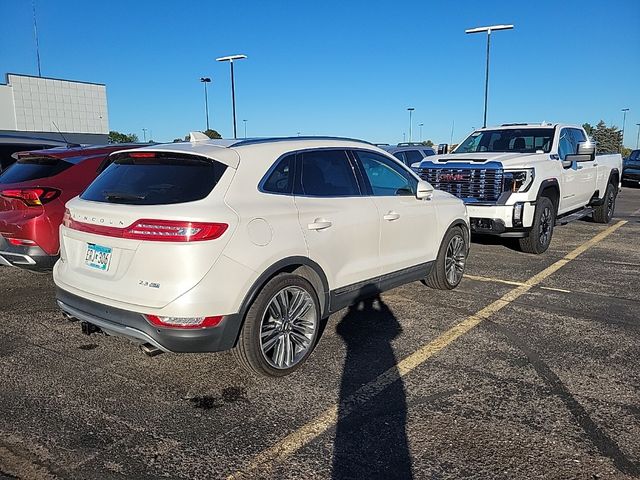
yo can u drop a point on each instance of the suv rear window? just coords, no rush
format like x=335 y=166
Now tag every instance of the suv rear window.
x=165 y=178
x=33 y=168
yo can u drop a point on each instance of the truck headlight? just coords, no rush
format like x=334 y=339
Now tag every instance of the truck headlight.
x=518 y=180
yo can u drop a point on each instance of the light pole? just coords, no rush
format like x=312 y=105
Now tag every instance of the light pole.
x=230 y=59
x=206 y=80
x=245 y=128
x=624 y=120
x=421 y=125
x=638 y=136
x=486 y=79
x=144 y=132
x=410 y=109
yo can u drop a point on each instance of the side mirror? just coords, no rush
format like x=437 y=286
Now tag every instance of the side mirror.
x=586 y=153
x=443 y=149
x=567 y=163
x=424 y=190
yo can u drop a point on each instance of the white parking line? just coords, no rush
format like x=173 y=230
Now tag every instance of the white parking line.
x=510 y=282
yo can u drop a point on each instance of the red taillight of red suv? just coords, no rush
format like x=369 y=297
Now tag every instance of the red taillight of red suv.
x=154 y=230
x=32 y=197
x=179 y=322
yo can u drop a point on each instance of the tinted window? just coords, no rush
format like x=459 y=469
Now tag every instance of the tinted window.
x=385 y=177
x=165 y=179
x=525 y=140
x=33 y=168
x=327 y=173
x=428 y=152
x=413 y=156
x=400 y=156
x=281 y=178
x=635 y=155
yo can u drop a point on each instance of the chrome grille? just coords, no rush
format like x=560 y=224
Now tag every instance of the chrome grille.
x=469 y=184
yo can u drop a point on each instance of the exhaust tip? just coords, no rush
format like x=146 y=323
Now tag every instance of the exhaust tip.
x=150 y=350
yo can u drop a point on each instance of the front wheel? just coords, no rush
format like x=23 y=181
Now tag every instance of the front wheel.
x=281 y=327
x=603 y=213
x=449 y=266
x=538 y=238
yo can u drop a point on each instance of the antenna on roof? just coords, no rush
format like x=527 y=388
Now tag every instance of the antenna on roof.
x=69 y=144
x=198 y=137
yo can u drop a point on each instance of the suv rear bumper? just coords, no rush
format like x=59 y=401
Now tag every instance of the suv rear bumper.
x=28 y=257
x=134 y=326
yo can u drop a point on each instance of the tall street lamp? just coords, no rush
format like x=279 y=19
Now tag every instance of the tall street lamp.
x=245 y=128
x=204 y=81
x=638 y=136
x=230 y=59
x=421 y=125
x=624 y=120
x=410 y=109
x=486 y=79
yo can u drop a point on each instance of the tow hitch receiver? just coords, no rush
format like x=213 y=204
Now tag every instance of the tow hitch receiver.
x=89 y=328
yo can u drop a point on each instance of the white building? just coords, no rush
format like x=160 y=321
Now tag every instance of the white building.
x=40 y=106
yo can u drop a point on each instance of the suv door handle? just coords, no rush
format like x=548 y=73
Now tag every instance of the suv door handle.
x=391 y=216
x=319 y=224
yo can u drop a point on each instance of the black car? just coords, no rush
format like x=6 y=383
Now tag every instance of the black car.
x=10 y=144
x=409 y=153
x=631 y=169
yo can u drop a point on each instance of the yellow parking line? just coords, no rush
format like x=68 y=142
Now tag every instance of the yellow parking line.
x=491 y=279
x=265 y=460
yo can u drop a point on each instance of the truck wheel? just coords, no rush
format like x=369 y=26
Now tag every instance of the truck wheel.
x=280 y=328
x=448 y=269
x=538 y=238
x=603 y=213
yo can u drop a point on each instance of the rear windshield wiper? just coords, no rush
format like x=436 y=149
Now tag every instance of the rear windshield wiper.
x=115 y=196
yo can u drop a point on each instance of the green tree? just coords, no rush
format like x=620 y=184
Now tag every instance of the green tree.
x=212 y=133
x=588 y=128
x=117 y=137
x=429 y=143
x=608 y=139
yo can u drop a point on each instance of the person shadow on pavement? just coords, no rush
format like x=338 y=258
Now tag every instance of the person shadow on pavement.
x=371 y=439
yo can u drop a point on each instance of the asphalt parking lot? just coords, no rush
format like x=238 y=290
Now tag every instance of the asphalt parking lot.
x=530 y=369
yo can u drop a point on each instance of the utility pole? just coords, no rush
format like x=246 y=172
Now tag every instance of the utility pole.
x=410 y=109
x=624 y=120
x=230 y=59
x=35 y=32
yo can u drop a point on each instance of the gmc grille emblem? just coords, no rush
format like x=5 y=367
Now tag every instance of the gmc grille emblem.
x=451 y=177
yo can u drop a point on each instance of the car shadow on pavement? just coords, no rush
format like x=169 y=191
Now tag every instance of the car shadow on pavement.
x=371 y=439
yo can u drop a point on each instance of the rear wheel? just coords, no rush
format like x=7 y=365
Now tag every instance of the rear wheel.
x=448 y=270
x=603 y=213
x=281 y=327
x=538 y=238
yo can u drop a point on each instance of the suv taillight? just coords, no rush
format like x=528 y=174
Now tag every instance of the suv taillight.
x=153 y=230
x=32 y=197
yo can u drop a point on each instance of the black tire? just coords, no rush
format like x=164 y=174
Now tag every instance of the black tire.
x=438 y=277
x=604 y=213
x=539 y=236
x=248 y=351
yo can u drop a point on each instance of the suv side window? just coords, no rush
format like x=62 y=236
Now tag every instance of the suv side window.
x=281 y=178
x=565 y=144
x=413 y=156
x=327 y=173
x=401 y=156
x=386 y=178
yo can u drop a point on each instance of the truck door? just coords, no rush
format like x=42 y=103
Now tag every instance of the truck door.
x=578 y=180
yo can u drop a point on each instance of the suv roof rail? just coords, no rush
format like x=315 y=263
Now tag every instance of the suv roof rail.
x=254 y=141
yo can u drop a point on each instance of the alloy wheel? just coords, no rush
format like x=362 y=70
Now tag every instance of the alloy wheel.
x=288 y=327
x=545 y=226
x=455 y=259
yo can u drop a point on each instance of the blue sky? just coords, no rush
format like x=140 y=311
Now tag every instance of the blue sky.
x=348 y=68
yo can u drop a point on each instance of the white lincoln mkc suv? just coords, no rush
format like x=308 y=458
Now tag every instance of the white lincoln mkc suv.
x=211 y=245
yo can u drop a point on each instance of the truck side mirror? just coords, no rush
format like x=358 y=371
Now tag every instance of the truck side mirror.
x=586 y=153
x=443 y=149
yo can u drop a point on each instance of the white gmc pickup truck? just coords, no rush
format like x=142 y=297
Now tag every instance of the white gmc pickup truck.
x=520 y=180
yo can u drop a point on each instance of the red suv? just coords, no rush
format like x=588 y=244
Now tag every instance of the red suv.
x=33 y=193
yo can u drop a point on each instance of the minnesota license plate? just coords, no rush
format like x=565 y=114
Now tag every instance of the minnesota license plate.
x=98 y=257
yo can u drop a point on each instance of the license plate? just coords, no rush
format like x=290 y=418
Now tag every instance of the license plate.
x=98 y=257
